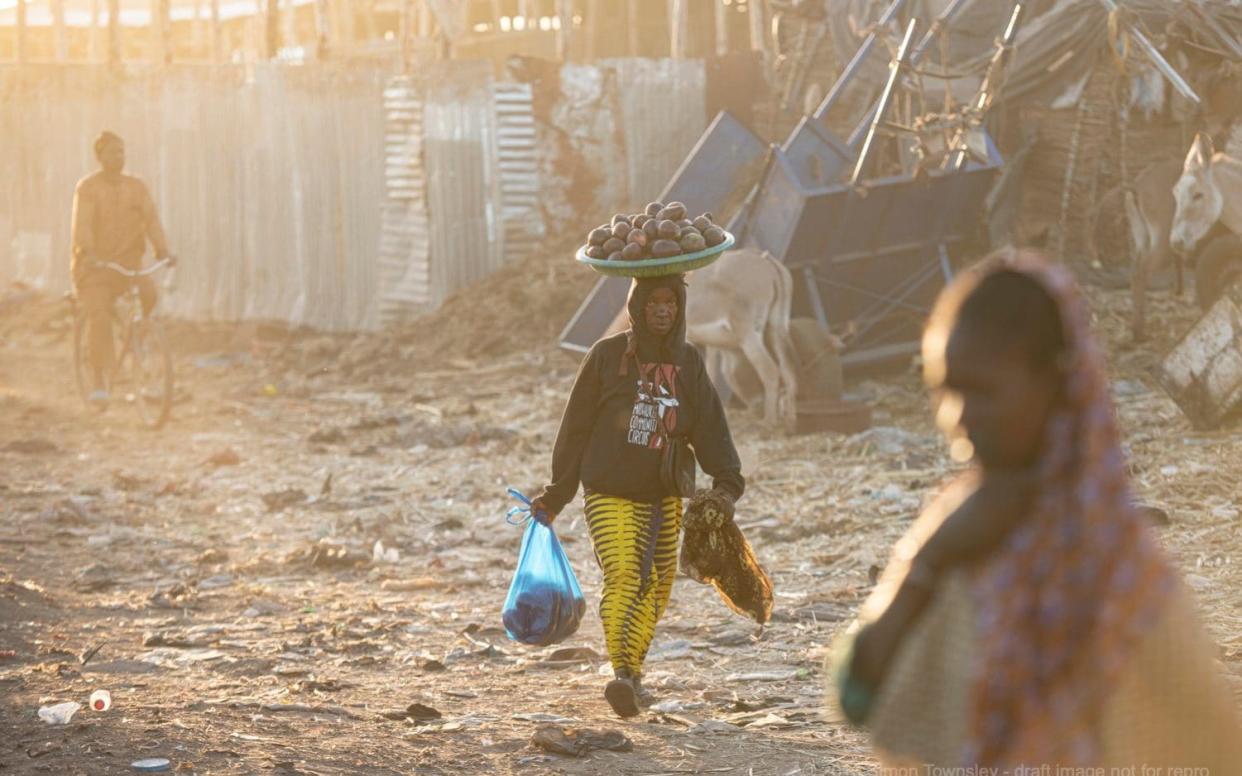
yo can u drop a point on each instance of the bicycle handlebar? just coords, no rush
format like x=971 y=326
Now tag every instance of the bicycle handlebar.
x=135 y=273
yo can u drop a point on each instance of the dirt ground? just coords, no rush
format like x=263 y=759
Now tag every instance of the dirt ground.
x=219 y=577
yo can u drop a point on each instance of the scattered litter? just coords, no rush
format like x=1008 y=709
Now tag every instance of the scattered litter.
x=172 y=657
x=31 y=447
x=280 y=499
x=409 y=585
x=714 y=726
x=45 y=748
x=213 y=583
x=763 y=676
x=543 y=717
x=60 y=713
x=418 y=712
x=381 y=555
x=671 y=650
x=260 y=607
x=676 y=706
x=94 y=578
x=327 y=436
x=1199 y=583
x=577 y=743
x=101 y=700
x=325 y=555
x=212 y=557
x=886 y=440
x=151 y=764
x=573 y=655
x=225 y=457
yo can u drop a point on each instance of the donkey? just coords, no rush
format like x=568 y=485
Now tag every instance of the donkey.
x=1210 y=190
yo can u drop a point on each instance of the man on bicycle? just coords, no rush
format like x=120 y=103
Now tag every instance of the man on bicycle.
x=113 y=218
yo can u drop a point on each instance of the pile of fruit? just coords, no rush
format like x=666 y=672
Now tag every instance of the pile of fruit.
x=661 y=231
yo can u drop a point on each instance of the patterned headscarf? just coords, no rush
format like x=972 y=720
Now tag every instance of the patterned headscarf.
x=1063 y=601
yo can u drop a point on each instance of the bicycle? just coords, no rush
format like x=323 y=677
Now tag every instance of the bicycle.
x=142 y=352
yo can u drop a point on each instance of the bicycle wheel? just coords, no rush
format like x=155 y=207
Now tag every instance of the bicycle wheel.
x=150 y=368
x=81 y=361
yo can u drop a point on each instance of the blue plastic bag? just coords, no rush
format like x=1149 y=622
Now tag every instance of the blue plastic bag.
x=545 y=603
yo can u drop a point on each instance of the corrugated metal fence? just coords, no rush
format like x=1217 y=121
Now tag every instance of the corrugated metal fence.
x=334 y=197
x=269 y=181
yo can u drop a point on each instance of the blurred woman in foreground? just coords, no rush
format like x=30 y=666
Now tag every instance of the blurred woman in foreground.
x=1029 y=618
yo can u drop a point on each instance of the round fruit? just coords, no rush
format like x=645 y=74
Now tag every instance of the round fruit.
x=702 y=223
x=613 y=244
x=653 y=208
x=621 y=229
x=596 y=252
x=668 y=230
x=616 y=256
x=693 y=243
x=673 y=211
x=639 y=220
x=638 y=237
x=599 y=236
x=652 y=228
x=620 y=218
x=632 y=252
x=686 y=231
x=714 y=236
x=665 y=248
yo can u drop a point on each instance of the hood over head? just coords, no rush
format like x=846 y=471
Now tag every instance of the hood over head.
x=652 y=348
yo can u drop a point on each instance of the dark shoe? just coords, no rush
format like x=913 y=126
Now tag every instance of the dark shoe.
x=621 y=697
x=645 y=698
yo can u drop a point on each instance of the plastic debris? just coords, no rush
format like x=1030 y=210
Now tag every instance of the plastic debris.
x=60 y=713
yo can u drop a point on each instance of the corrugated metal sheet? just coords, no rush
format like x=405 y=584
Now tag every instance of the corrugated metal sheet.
x=463 y=184
x=405 y=245
x=269 y=181
x=663 y=109
x=459 y=142
x=518 y=169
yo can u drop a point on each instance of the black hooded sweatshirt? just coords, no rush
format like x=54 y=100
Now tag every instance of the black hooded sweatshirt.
x=610 y=439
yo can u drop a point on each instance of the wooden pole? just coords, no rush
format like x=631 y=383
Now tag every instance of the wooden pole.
x=424 y=20
x=720 y=13
x=199 y=28
x=114 y=32
x=323 y=29
x=678 y=28
x=159 y=31
x=21 y=31
x=368 y=19
x=271 y=37
x=288 y=23
x=592 y=24
x=564 y=33
x=217 y=33
x=406 y=30
x=632 y=21
x=758 y=37
x=95 y=54
x=61 y=34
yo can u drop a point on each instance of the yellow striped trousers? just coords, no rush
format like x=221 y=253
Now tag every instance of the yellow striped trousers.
x=636 y=546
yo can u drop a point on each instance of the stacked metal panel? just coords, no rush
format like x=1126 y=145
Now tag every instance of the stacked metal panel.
x=518 y=166
x=405 y=267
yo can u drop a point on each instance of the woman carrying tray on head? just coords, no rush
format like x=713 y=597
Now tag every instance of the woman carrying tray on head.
x=634 y=392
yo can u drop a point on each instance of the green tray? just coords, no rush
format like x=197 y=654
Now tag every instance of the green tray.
x=652 y=268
